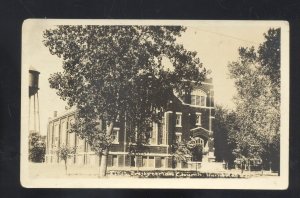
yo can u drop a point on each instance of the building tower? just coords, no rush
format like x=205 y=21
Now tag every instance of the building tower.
x=34 y=117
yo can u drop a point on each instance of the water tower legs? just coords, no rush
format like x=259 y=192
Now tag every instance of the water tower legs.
x=34 y=114
x=38 y=110
x=33 y=92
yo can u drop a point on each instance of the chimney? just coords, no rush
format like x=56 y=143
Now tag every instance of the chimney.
x=55 y=114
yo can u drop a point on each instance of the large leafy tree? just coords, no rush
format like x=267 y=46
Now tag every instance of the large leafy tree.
x=225 y=130
x=117 y=72
x=269 y=56
x=257 y=80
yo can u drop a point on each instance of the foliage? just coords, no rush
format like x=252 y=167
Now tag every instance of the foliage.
x=182 y=151
x=110 y=70
x=187 y=150
x=65 y=152
x=269 y=56
x=225 y=128
x=37 y=147
x=137 y=149
x=197 y=152
x=257 y=77
x=98 y=139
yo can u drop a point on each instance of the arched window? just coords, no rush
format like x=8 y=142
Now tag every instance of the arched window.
x=199 y=141
x=198 y=98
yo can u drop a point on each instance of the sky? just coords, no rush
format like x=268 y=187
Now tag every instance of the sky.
x=216 y=44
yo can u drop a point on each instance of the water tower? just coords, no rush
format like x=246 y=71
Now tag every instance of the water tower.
x=34 y=117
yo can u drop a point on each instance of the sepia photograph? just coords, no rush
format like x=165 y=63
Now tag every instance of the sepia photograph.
x=175 y=104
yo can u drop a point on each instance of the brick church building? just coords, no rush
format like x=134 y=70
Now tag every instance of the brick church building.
x=188 y=116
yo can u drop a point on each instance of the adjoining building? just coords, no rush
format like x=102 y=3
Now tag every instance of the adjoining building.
x=189 y=116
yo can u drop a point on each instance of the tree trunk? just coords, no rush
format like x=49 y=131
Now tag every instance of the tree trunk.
x=278 y=169
x=138 y=164
x=242 y=167
x=103 y=163
x=249 y=166
x=99 y=163
x=66 y=167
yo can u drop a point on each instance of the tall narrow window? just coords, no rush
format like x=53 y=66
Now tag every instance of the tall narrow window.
x=203 y=101
x=193 y=99
x=198 y=101
x=198 y=119
x=144 y=161
x=71 y=136
x=178 y=136
x=178 y=119
x=151 y=162
x=164 y=128
x=115 y=135
x=154 y=132
x=56 y=135
x=163 y=162
x=115 y=160
x=50 y=135
x=80 y=144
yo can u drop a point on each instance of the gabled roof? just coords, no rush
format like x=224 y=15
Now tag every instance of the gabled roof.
x=200 y=131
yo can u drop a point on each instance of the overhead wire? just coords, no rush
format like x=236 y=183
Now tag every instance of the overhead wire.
x=229 y=36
